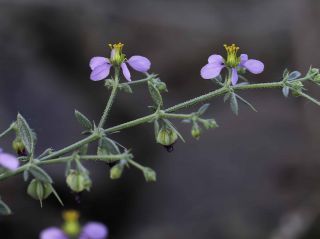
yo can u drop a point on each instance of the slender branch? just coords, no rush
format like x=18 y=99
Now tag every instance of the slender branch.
x=176 y=116
x=72 y=147
x=309 y=98
x=108 y=158
x=111 y=99
x=137 y=82
x=137 y=165
x=7 y=130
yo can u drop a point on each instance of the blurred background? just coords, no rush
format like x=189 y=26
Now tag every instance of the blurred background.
x=256 y=176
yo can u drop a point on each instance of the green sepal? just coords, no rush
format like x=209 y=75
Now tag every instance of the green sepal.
x=25 y=134
x=83 y=120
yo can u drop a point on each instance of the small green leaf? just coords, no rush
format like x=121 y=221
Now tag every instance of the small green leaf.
x=234 y=103
x=83 y=120
x=45 y=153
x=26 y=134
x=126 y=88
x=155 y=94
x=107 y=146
x=285 y=91
x=246 y=102
x=40 y=174
x=226 y=97
x=56 y=195
x=4 y=208
x=294 y=75
x=203 y=109
x=26 y=175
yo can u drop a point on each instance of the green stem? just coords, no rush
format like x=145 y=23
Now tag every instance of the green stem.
x=135 y=164
x=132 y=123
x=72 y=147
x=111 y=98
x=108 y=158
x=310 y=98
x=137 y=82
x=176 y=116
x=4 y=133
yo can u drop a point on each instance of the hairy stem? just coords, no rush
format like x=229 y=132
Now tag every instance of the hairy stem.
x=107 y=158
x=111 y=98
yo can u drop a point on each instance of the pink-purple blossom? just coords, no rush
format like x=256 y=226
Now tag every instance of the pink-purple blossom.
x=8 y=161
x=92 y=230
x=216 y=63
x=101 y=66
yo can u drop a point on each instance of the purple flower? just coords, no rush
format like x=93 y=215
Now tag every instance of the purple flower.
x=216 y=63
x=8 y=161
x=101 y=66
x=94 y=230
x=53 y=233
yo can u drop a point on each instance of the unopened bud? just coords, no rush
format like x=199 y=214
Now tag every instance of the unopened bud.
x=39 y=190
x=167 y=136
x=196 y=131
x=78 y=181
x=19 y=147
x=116 y=171
x=150 y=175
x=210 y=124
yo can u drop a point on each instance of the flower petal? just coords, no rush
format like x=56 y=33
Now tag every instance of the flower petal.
x=254 y=66
x=211 y=71
x=98 y=61
x=100 y=72
x=243 y=59
x=94 y=230
x=234 y=76
x=216 y=59
x=52 y=233
x=9 y=161
x=139 y=63
x=126 y=71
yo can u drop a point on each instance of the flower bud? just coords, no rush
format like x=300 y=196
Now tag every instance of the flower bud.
x=161 y=86
x=314 y=71
x=39 y=190
x=19 y=147
x=196 y=131
x=209 y=124
x=167 y=136
x=78 y=181
x=149 y=175
x=116 y=171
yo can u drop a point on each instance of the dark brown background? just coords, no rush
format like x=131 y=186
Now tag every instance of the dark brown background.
x=257 y=176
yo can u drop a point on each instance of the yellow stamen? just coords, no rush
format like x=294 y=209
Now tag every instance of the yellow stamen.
x=232 y=59
x=117 y=57
x=70 y=215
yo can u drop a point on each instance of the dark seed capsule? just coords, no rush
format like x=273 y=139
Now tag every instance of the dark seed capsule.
x=22 y=152
x=169 y=148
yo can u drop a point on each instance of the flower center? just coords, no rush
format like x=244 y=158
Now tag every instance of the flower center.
x=117 y=57
x=232 y=59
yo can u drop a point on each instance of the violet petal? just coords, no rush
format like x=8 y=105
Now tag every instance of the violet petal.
x=243 y=59
x=94 y=230
x=211 y=71
x=100 y=72
x=216 y=59
x=8 y=161
x=234 y=76
x=98 y=61
x=126 y=71
x=139 y=63
x=254 y=66
x=53 y=233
